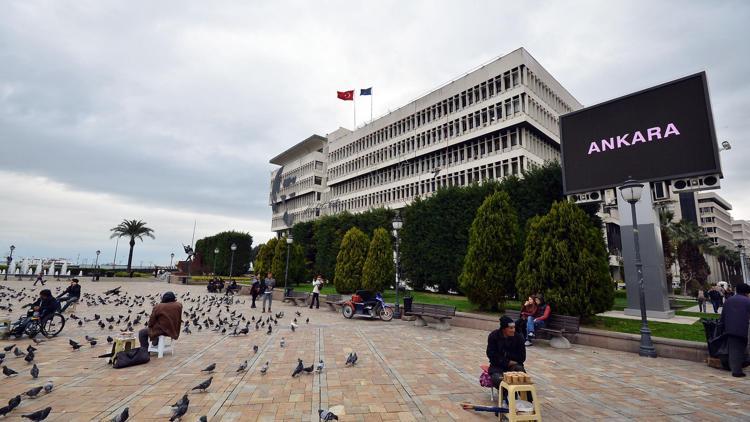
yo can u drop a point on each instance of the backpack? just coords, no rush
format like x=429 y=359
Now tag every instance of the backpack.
x=132 y=357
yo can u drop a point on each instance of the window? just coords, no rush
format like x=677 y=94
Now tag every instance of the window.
x=318 y=180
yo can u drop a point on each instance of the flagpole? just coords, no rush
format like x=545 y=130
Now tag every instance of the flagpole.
x=354 y=103
x=370 y=106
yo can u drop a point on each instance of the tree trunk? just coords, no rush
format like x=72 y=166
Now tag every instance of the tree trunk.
x=130 y=255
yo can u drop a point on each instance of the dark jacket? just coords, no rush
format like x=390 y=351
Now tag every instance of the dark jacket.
x=501 y=350
x=73 y=290
x=736 y=315
x=46 y=306
x=165 y=320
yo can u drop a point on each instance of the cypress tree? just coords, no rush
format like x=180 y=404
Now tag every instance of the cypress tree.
x=566 y=259
x=278 y=264
x=264 y=259
x=494 y=243
x=350 y=261
x=378 y=272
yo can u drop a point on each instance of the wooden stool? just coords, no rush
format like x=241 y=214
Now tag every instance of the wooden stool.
x=122 y=344
x=519 y=382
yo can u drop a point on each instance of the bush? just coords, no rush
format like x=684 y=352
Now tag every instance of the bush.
x=205 y=249
x=566 y=259
x=494 y=244
x=378 y=272
x=350 y=261
x=264 y=259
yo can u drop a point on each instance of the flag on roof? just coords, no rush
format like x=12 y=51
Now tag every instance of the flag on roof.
x=345 y=95
x=365 y=91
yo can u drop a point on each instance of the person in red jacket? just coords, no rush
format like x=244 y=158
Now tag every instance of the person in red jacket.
x=543 y=311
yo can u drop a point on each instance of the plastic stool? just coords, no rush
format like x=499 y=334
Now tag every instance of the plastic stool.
x=162 y=347
x=527 y=392
x=122 y=344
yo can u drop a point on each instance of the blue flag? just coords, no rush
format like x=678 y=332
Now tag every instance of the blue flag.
x=365 y=91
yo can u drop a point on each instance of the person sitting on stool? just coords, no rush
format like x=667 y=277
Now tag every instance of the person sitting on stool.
x=505 y=350
x=70 y=295
x=165 y=320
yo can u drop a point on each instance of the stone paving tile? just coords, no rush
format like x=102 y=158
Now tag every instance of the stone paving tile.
x=404 y=373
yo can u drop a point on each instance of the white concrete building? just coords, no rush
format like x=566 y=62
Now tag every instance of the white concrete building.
x=497 y=120
x=297 y=185
x=715 y=218
x=741 y=232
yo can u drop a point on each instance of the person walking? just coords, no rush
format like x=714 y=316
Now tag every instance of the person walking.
x=715 y=296
x=255 y=289
x=736 y=319
x=268 y=284
x=316 y=291
x=39 y=279
x=701 y=297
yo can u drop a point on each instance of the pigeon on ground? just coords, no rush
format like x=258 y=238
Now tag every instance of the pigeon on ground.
x=48 y=387
x=243 y=367
x=39 y=415
x=270 y=329
x=34 y=391
x=354 y=359
x=8 y=372
x=209 y=368
x=29 y=357
x=73 y=344
x=320 y=366
x=203 y=419
x=264 y=369
x=31 y=348
x=5 y=410
x=9 y=348
x=255 y=349
x=110 y=339
x=34 y=372
x=122 y=417
x=18 y=352
x=307 y=321
x=179 y=413
x=183 y=401
x=14 y=402
x=204 y=385
x=327 y=415
x=300 y=367
x=282 y=343
x=309 y=369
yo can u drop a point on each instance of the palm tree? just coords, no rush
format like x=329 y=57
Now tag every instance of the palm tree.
x=690 y=244
x=135 y=229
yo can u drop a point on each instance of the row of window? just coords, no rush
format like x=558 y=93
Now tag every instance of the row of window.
x=501 y=141
x=443 y=133
x=278 y=223
x=543 y=116
x=408 y=191
x=302 y=170
x=300 y=201
x=299 y=185
x=546 y=94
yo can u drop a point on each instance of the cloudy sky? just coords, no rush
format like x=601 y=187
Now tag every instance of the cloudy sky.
x=169 y=111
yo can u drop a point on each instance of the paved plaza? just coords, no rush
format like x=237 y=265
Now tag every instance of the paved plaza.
x=404 y=373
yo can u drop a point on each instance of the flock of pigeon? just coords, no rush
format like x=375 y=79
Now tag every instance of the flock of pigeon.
x=213 y=312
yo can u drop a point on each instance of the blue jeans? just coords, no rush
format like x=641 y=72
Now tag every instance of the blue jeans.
x=532 y=324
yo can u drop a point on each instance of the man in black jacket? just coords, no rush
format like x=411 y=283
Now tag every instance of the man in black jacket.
x=506 y=350
x=70 y=295
x=736 y=317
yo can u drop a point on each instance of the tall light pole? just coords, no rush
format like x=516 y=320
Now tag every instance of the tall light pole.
x=171 y=258
x=289 y=241
x=397 y=224
x=631 y=192
x=216 y=253
x=115 y=258
x=93 y=276
x=10 y=259
x=740 y=249
x=231 y=262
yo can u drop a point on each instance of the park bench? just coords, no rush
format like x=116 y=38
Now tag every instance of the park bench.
x=297 y=297
x=441 y=313
x=556 y=325
x=334 y=302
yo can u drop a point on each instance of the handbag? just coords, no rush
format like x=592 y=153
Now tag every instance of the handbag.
x=132 y=357
x=485 y=380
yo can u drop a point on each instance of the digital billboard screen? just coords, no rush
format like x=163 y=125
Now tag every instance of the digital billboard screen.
x=660 y=133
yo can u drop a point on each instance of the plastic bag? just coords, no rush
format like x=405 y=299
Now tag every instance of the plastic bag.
x=524 y=406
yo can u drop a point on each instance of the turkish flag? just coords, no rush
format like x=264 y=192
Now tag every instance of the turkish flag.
x=345 y=95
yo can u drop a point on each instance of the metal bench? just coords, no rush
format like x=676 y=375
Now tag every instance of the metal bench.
x=334 y=302
x=556 y=325
x=297 y=297
x=441 y=313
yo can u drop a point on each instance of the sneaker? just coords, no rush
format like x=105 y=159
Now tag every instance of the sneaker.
x=528 y=343
x=531 y=335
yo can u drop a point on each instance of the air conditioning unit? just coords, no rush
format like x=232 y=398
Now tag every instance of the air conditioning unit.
x=696 y=183
x=587 y=197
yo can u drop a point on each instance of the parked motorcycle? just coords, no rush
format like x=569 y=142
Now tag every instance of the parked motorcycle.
x=364 y=303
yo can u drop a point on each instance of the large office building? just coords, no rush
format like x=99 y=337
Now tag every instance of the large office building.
x=495 y=121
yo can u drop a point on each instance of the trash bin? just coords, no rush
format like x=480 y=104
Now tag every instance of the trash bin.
x=184 y=280
x=97 y=277
x=407 y=303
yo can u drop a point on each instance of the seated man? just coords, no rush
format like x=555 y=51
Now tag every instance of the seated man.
x=45 y=305
x=505 y=350
x=165 y=320
x=70 y=295
x=233 y=287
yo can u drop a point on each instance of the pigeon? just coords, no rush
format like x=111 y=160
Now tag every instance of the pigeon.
x=293 y=326
x=34 y=372
x=243 y=367
x=18 y=352
x=309 y=369
x=39 y=415
x=354 y=359
x=73 y=344
x=351 y=359
x=327 y=415
x=203 y=386
x=8 y=372
x=270 y=329
x=264 y=369
x=34 y=391
x=110 y=339
x=122 y=417
x=29 y=357
x=299 y=314
x=282 y=343
x=298 y=369
x=307 y=321
x=255 y=349
x=9 y=348
x=209 y=368
x=14 y=402
x=183 y=401
x=5 y=410
x=30 y=348
x=179 y=412
x=320 y=366
x=203 y=419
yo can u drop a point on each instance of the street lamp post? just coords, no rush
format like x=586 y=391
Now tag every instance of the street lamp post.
x=10 y=259
x=289 y=241
x=631 y=192
x=115 y=258
x=397 y=224
x=231 y=262
x=216 y=253
x=171 y=258
x=96 y=271
x=741 y=250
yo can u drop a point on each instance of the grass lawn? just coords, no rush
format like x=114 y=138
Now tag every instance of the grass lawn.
x=693 y=332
